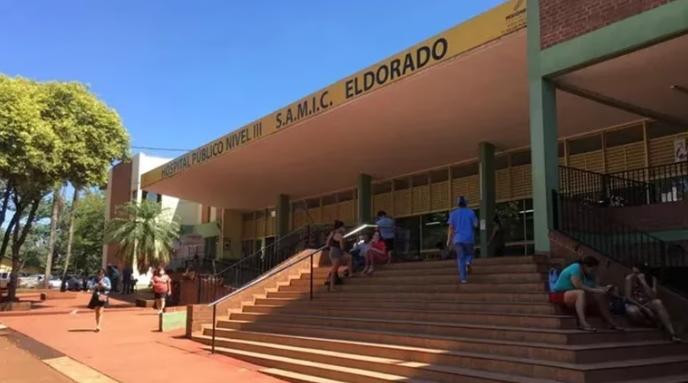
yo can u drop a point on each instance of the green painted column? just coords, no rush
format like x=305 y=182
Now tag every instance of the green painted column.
x=282 y=216
x=364 y=204
x=543 y=134
x=488 y=195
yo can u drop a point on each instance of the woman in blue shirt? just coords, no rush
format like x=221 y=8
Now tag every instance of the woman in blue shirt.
x=576 y=284
x=99 y=299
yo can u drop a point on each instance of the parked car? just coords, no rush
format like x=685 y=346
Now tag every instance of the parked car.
x=31 y=281
x=73 y=283
x=4 y=280
x=55 y=282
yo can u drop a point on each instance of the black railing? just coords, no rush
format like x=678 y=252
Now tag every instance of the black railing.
x=594 y=225
x=283 y=266
x=601 y=189
x=665 y=183
x=213 y=286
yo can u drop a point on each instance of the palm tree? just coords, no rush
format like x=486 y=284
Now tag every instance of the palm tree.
x=144 y=232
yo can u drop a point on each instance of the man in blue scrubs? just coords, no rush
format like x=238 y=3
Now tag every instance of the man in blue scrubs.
x=462 y=224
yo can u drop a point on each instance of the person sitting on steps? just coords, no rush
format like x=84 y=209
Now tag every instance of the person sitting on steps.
x=576 y=287
x=377 y=253
x=642 y=304
x=337 y=252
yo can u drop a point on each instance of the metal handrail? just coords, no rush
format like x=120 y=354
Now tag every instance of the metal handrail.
x=590 y=224
x=262 y=250
x=274 y=271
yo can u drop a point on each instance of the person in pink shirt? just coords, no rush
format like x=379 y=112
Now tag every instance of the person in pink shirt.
x=162 y=287
x=377 y=253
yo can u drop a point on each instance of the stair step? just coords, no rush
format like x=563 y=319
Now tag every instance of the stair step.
x=386 y=369
x=356 y=285
x=295 y=377
x=442 y=365
x=681 y=378
x=362 y=296
x=537 y=321
x=437 y=279
x=554 y=336
x=450 y=269
x=496 y=307
x=324 y=370
x=402 y=346
x=515 y=260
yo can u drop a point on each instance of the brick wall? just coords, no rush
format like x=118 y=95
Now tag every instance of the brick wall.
x=119 y=195
x=656 y=217
x=562 y=20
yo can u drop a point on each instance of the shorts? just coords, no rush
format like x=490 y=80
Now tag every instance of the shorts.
x=556 y=298
x=335 y=254
x=159 y=295
x=389 y=243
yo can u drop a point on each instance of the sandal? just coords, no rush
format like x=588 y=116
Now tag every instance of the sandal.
x=587 y=328
x=616 y=328
x=676 y=339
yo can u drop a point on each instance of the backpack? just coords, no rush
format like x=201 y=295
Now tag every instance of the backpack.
x=553 y=277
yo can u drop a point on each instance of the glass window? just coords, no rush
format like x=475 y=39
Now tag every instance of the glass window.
x=345 y=196
x=246 y=248
x=380 y=188
x=501 y=161
x=434 y=230
x=520 y=158
x=466 y=170
x=585 y=144
x=661 y=129
x=329 y=199
x=420 y=180
x=407 y=241
x=439 y=175
x=401 y=184
x=313 y=203
x=624 y=136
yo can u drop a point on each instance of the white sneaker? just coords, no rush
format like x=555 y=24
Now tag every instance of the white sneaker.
x=463 y=282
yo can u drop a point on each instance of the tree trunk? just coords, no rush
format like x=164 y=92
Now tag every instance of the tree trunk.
x=70 y=232
x=5 y=203
x=18 y=237
x=8 y=232
x=54 y=220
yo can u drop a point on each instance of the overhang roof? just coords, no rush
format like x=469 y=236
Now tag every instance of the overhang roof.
x=434 y=117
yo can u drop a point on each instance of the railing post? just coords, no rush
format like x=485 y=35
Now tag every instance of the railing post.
x=311 y=288
x=212 y=343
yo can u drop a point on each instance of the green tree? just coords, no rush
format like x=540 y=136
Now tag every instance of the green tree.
x=144 y=232
x=50 y=134
x=93 y=138
x=30 y=153
x=89 y=232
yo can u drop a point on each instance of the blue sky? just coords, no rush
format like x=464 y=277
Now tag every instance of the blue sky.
x=181 y=73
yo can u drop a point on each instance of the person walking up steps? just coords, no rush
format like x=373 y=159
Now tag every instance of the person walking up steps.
x=462 y=223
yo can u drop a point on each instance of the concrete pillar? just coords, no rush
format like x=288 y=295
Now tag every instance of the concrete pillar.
x=543 y=134
x=364 y=204
x=282 y=216
x=488 y=195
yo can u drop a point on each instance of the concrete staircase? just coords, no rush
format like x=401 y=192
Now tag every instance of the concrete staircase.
x=414 y=323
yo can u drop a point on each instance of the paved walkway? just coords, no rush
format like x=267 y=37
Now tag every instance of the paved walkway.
x=129 y=348
x=19 y=366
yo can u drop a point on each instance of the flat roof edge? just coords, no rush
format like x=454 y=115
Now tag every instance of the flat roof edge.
x=500 y=21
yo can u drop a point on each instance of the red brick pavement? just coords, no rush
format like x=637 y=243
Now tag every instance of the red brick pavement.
x=129 y=348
